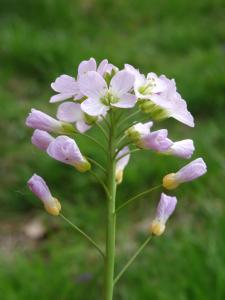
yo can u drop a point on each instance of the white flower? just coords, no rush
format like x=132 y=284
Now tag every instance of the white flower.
x=101 y=97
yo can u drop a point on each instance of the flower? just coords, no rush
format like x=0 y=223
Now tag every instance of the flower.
x=135 y=72
x=156 y=140
x=184 y=149
x=71 y=112
x=39 y=120
x=166 y=207
x=159 y=96
x=39 y=187
x=138 y=131
x=191 y=171
x=91 y=65
x=101 y=98
x=123 y=158
x=65 y=149
x=67 y=87
x=145 y=88
x=41 y=139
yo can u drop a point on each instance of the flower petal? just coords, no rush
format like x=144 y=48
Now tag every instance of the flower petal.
x=69 y=112
x=86 y=66
x=94 y=107
x=93 y=85
x=122 y=83
x=64 y=84
x=82 y=126
x=61 y=97
x=127 y=101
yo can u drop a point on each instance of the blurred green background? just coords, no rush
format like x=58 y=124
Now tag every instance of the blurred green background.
x=40 y=256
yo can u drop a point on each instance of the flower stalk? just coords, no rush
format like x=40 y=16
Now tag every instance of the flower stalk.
x=132 y=259
x=111 y=217
x=103 y=96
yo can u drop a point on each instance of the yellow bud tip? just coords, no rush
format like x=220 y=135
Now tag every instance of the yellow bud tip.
x=55 y=209
x=170 y=182
x=157 y=228
x=83 y=166
x=119 y=176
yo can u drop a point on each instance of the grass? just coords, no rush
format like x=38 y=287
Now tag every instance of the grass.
x=42 y=39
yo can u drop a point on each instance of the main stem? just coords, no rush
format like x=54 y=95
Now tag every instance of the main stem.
x=111 y=216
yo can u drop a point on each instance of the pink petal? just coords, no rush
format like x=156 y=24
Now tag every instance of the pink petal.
x=122 y=82
x=69 y=112
x=93 y=85
x=86 y=66
x=60 y=97
x=94 y=107
x=82 y=126
x=127 y=101
x=102 y=67
x=64 y=84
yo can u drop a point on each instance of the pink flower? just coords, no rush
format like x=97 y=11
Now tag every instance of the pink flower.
x=39 y=187
x=41 y=139
x=184 y=149
x=91 y=65
x=144 y=138
x=65 y=149
x=71 y=112
x=39 y=120
x=166 y=207
x=146 y=87
x=123 y=158
x=191 y=171
x=101 y=98
x=159 y=97
x=157 y=140
x=67 y=87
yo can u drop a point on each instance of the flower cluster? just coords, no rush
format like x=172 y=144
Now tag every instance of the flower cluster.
x=88 y=99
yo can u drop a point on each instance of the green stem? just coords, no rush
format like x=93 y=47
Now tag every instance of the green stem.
x=87 y=237
x=132 y=259
x=136 y=197
x=100 y=181
x=111 y=217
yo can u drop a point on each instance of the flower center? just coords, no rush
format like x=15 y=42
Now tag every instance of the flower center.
x=146 y=89
x=109 y=99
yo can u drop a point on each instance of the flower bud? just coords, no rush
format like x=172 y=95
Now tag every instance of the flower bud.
x=122 y=163
x=166 y=207
x=41 y=139
x=39 y=120
x=184 y=149
x=157 y=140
x=189 y=172
x=138 y=131
x=65 y=149
x=39 y=187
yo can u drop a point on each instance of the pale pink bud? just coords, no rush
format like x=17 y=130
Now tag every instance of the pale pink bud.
x=65 y=149
x=39 y=187
x=39 y=120
x=123 y=159
x=41 y=139
x=166 y=207
x=184 y=149
x=191 y=171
